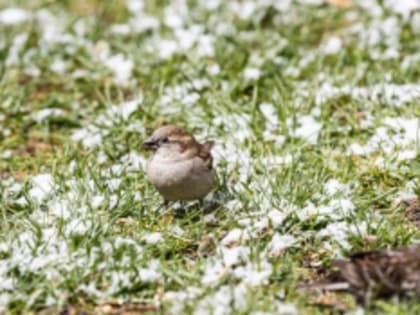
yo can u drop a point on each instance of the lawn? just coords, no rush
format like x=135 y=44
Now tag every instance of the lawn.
x=314 y=106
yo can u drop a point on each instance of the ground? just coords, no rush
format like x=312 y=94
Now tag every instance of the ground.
x=313 y=105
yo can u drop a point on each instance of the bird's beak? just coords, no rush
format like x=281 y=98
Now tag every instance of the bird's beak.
x=150 y=144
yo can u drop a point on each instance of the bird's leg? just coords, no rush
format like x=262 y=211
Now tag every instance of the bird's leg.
x=181 y=209
x=163 y=207
x=201 y=210
x=166 y=206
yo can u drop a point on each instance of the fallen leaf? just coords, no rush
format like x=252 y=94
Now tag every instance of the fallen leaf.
x=206 y=246
x=124 y=309
x=34 y=145
x=330 y=300
x=127 y=222
x=66 y=310
x=166 y=219
x=341 y=3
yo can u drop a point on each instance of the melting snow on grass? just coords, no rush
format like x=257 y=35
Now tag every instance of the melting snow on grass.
x=296 y=116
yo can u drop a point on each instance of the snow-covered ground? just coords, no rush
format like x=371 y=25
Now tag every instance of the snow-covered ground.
x=314 y=106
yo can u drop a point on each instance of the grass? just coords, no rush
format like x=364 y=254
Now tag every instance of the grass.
x=79 y=218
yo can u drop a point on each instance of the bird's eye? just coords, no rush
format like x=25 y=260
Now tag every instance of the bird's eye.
x=165 y=140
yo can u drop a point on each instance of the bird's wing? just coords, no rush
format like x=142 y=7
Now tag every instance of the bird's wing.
x=205 y=153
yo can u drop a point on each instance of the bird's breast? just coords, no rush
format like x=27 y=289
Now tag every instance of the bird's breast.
x=164 y=173
x=180 y=180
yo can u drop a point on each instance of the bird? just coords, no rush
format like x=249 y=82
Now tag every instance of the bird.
x=375 y=274
x=180 y=168
x=382 y=273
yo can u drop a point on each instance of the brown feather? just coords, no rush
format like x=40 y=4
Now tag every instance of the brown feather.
x=205 y=153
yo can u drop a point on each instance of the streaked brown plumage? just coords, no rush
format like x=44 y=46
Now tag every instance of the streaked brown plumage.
x=376 y=274
x=412 y=209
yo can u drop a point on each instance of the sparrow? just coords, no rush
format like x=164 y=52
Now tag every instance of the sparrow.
x=375 y=274
x=180 y=168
